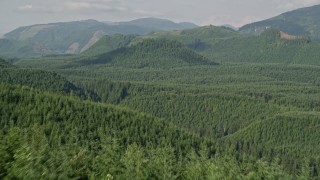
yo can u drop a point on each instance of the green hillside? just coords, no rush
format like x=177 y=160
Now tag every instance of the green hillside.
x=268 y=47
x=283 y=136
x=304 y=21
x=200 y=39
x=151 y=53
x=49 y=136
x=40 y=79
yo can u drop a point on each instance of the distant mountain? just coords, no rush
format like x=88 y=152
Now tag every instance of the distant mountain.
x=75 y=37
x=151 y=53
x=302 y=22
x=159 y=24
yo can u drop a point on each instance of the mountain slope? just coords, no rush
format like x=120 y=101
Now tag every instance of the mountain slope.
x=303 y=22
x=152 y=53
x=74 y=37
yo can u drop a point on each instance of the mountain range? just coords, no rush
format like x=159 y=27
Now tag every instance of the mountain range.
x=75 y=37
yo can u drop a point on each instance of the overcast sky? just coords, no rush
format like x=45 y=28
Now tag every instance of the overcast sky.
x=15 y=13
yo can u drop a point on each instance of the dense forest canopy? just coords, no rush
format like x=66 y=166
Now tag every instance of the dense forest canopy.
x=247 y=112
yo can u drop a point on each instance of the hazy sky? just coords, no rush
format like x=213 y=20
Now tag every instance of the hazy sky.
x=15 y=13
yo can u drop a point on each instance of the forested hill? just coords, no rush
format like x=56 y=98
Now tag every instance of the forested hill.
x=152 y=53
x=200 y=39
x=304 y=21
x=272 y=46
x=40 y=79
x=109 y=43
